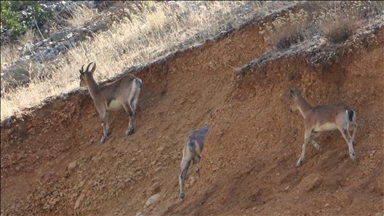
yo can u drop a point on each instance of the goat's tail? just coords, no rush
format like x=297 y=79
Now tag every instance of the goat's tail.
x=139 y=82
x=191 y=146
x=351 y=115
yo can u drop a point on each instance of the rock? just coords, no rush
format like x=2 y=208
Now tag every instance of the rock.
x=60 y=35
x=152 y=200
x=16 y=73
x=71 y=165
x=155 y=188
x=78 y=201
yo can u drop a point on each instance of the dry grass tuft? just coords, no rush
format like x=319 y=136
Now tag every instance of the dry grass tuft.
x=80 y=15
x=292 y=38
x=338 y=31
x=288 y=30
x=8 y=54
x=339 y=23
x=27 y=37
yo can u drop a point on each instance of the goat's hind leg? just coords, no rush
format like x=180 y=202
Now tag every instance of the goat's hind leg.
x=196 y=159
x=345 y=133
x=131 y=127
x=184 y=169
x=355 y=125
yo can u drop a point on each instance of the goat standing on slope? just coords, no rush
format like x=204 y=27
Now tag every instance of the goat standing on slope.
x=338 y=116
x=123 y=92
x=191 y=153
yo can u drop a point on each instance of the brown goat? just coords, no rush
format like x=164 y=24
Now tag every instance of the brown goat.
x=337 y=116
x=191 y=153
x=123 y=92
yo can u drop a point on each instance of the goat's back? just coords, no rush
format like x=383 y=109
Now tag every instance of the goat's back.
x=328 y=113
x=198 y=136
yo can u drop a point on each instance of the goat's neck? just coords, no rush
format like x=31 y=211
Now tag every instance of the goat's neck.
x=303 y=105
x=93 y=87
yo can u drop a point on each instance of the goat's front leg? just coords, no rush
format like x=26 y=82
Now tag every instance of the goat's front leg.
x=307 y=138
x=104 y=125
x=184 y=169
x=314 y=135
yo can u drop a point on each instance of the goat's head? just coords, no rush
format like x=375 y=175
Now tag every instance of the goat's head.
x=294 y=103
x=85 y=75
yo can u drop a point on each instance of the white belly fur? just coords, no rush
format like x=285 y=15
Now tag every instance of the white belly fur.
x=325 y=127
x=114 y=105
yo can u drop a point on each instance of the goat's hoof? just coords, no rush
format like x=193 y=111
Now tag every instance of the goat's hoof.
x=182 y=195
x=102 y=141
x=352 y=156
x=299 y=163
x=130 y=131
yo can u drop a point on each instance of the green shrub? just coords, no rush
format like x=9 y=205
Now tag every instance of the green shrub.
x=16 y=21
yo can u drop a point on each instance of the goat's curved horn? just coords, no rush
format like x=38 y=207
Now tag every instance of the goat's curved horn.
x=93 y=68
x=87 y=70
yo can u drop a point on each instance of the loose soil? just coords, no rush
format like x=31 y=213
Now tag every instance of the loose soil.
x=52 y=164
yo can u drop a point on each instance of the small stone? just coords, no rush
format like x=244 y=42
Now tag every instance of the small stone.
x=152 y=200
x=72 y=165
x=78 y=201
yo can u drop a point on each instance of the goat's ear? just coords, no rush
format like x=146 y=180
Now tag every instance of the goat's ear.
x=93 y=68
x=82 y=70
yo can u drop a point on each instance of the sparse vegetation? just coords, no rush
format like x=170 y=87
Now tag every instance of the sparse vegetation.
x=335 y=21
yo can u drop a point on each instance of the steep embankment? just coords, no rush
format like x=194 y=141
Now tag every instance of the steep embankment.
x=254 y=142
x=51 y=162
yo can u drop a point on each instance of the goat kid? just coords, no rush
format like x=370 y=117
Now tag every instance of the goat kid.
x=337 y=116
x=191 y=153
x=123 y=92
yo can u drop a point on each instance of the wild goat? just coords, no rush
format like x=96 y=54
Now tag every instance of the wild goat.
x=191 y=153
x=123 y=92
x=321 y=118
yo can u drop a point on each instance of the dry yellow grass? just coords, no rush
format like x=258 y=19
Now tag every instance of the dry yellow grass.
x=159 y=29
x=8 y=54
x=81 y=14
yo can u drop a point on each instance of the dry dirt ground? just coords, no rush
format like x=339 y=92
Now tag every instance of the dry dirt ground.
x=52 y=164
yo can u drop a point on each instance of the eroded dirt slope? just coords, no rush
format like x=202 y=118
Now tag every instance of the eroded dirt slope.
x=51 y=162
